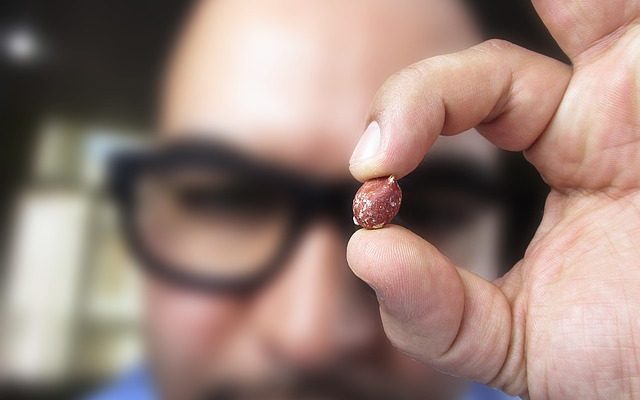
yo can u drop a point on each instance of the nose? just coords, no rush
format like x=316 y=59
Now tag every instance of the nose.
x=316 y=312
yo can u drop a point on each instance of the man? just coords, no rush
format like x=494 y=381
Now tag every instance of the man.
x=286 y=85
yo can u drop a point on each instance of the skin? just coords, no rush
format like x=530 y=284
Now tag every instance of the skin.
x=291 y=82
x=564 y=322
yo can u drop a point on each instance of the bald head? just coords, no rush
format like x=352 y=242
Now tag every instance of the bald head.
x=292 y=80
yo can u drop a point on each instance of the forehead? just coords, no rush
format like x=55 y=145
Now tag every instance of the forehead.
x=292 y=81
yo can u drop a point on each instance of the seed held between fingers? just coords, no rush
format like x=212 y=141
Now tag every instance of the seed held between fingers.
x=377 y=202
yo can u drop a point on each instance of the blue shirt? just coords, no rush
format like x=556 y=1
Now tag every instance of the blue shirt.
x=137 y=385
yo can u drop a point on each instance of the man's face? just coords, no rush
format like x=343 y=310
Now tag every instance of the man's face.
x=289 y=83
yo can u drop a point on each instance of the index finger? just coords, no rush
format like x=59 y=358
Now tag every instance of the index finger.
x=509 y=93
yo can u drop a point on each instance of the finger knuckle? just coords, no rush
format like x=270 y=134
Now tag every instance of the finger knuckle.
x=399 y=89
x=408 y=76
x=496 y=45
x=397 y=338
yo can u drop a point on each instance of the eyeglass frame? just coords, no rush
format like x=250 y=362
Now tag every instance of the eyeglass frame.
x=309 y=200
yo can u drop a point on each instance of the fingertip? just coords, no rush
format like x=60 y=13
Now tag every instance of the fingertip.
x=366 y=244
x=386 y=148
x=368 y=169
x=360 y=248
x=366 y=249
x=387 y=258
x=417 y=287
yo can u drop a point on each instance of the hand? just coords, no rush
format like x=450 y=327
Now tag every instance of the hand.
x=565 y=321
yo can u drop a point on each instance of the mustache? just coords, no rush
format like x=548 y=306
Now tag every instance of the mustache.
x=335 y=384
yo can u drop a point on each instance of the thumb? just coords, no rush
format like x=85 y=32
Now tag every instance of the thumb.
x=442 y=315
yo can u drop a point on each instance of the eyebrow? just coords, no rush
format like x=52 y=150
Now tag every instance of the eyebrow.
x=450 y=172
x=456 y=173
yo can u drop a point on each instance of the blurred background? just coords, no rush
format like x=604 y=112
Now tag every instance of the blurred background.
x=78 y=80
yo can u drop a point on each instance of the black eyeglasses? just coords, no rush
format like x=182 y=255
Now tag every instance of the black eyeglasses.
x=204 y=216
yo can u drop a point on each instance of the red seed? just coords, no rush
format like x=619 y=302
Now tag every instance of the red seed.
x=376 y=203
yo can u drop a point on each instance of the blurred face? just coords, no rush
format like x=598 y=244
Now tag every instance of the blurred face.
x=288 y=84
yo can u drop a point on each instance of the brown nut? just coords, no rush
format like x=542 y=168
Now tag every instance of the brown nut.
x=376 y=203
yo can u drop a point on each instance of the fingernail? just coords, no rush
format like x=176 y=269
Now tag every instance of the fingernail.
x=369 y=144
